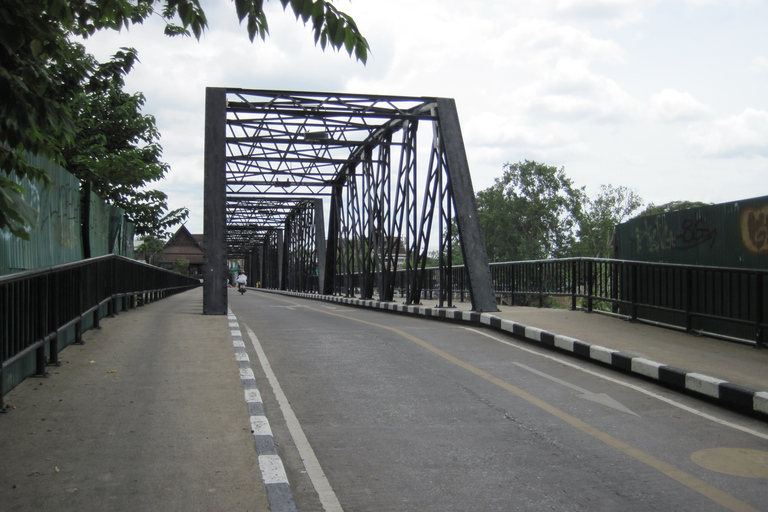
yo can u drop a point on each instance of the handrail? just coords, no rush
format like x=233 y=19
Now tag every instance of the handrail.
x=37 y=306
x=716 y=301
x=722 y=302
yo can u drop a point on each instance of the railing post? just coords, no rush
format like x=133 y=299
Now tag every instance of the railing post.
x=688 y=298
x=589 y=285
x=615 y=272
x=44 y=291
x=633 y=292
x=574 y=282
x=40 y=361
x=79 y=333
x=540 y=268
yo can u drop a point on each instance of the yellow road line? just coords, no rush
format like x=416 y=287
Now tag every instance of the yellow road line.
x=690 y=481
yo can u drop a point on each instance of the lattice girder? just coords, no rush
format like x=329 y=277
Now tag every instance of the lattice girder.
x=272 y=154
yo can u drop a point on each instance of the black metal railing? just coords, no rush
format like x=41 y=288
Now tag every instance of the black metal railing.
x=722 y=302
x=714 y=301
x=36 y=307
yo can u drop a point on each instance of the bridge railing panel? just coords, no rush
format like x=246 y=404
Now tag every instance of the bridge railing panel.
x=722 y=302
x=45 y=310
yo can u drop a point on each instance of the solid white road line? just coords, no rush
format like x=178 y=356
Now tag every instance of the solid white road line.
x=324 y=490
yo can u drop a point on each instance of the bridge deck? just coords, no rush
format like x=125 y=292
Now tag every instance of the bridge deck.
x=149 y=413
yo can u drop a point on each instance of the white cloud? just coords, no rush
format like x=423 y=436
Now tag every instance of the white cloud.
x=571 y=91
x=743 y=135
x=671 y=105
x=759 y=67
x=616 y=12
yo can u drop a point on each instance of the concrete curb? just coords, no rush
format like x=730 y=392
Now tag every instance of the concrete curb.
x=722 y=392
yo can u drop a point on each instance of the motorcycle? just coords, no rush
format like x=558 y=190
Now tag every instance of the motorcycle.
x=241 y=288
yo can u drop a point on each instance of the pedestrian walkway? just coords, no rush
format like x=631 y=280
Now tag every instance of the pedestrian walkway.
x=148 y=415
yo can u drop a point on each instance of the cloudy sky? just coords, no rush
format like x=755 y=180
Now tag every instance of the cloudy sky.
x=667 y=97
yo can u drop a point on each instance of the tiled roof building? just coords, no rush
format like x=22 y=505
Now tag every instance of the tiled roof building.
x=186 y=247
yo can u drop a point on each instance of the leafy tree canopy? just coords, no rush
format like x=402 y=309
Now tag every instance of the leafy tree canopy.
x=529 y=213
x=40 y=75
x=673 y=206
x=599 y=217
x=151 y=249
x=116 y=151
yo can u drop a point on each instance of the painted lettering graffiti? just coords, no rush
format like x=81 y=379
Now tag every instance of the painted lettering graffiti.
x=695 y=234
x=692 y=233
x=754 y=229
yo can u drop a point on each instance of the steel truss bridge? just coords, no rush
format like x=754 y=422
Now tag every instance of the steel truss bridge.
x=390 y=173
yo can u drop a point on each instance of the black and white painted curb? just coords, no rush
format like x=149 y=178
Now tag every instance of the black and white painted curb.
x=279 y=494
x=720 y=391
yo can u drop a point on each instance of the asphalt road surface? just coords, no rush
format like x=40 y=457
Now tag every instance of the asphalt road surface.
x=409 y=414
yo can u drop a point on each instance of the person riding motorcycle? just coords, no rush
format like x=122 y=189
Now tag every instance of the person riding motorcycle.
x=242 y=280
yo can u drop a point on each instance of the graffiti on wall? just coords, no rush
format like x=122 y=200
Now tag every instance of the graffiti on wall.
x=754 y=229
x=653 y=237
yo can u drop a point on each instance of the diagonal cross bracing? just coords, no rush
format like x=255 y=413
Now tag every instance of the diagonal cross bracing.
x=278 y=162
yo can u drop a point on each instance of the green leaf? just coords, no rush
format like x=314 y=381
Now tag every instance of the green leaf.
x=298 y=7
x=318 y=10
x=15 y=213
x=307 y=10
x=349 y=40
x=37 y=47
x=242 y=9
x=361 y=52
x=337 y=37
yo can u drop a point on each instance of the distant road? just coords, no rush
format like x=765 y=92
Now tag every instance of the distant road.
x=407 y=414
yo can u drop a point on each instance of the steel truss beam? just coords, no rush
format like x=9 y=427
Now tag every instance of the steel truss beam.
x=271 y=158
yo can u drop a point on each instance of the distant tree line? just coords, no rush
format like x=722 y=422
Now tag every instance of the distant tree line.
x=534 y=211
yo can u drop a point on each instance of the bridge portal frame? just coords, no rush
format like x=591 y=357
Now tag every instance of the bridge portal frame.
x=270 y=154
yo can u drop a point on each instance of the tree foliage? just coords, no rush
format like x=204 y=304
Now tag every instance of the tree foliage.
x=40 y=76
x=599 y=217
x=529 y=213
x=181 y=266
x=116 y=150
x=672 y=206
x=151 y=249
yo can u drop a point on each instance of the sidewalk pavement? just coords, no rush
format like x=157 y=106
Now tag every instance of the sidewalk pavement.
x=148 y=415
x=731 y=374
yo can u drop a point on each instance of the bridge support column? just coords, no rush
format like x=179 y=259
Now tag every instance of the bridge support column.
x=470 y=232
x=215 y=224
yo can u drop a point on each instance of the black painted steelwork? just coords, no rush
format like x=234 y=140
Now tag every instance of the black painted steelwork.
x=391 y=193
x=36 y=307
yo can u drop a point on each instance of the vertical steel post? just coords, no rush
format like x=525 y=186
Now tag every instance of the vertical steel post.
x=215 y=222
x=590 y=284
x=282 y=266
x=320 y=245
x=470 y=232
x=331 y=247
x=574 y=282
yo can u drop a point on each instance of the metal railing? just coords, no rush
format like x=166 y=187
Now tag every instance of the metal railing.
x=721 y=302
x=714 y=301
x=37 y=307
